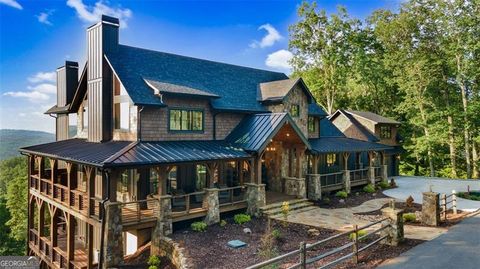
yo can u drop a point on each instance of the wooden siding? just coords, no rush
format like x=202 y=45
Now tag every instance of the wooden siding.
x=62 y=127
x=392 y=141
x=225 y=122
x=61 y=87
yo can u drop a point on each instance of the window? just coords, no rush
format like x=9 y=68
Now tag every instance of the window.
x=385 y=132
x=311 y=124
x=153 y=181
x=121 y=107
x=295 y=110
x=172 y=180
x=201 y=177
x=331 y=159
x=186 y=120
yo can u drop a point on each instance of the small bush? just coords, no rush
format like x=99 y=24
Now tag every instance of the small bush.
x=276 y=234
x=199 y=226
x=242 y=218
x=409 y=217
x=341 y=194
x=369 y=188
x=360 y=234
x=223 y=223
x=384 y=184
x=154 y=262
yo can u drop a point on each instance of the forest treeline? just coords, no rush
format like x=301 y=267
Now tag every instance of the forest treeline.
x=419 y=65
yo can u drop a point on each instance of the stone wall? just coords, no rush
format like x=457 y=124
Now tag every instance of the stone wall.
x=315 y=133
x=255 y=198
x=295 y=186
x=165 y=247
x=113 y=237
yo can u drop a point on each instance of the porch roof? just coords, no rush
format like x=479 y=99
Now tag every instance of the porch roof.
x=254 y=132
x=344 y=144
x=127 y=153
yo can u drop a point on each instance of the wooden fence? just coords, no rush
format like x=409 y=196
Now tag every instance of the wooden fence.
x=303 y=260
x=448 y=202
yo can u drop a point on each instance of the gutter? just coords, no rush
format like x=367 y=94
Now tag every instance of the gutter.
x=102 y=231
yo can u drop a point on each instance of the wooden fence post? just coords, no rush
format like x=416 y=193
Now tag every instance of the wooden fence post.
x=444 y=206
x=454 y=202
x=355 y=246
x=303 y=255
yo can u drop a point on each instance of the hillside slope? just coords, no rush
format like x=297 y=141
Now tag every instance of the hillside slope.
x=12 y=140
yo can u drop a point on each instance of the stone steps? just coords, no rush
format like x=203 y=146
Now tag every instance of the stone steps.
x=297 y=205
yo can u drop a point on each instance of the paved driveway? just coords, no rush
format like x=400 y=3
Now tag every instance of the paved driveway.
x=416 y=185
x=457 y=248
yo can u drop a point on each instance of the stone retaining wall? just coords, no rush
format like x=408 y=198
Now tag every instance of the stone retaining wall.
x=166 y=247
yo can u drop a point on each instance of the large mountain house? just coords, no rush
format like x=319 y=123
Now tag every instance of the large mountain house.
x=164 y=138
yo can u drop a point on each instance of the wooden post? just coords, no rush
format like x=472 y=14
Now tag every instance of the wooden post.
x=240 y=165
x=258 y=168
x=90 y=187
x=355 y=246
x=300 y=154
x=303 y=255
x=41 y=167
x=70 y=239
x=162 y=178
x=69 y=176
x=454 y=202
x=251 y=166
x=315 y=159
x=41 y=220
x=444 y=206
x=345 y=155
x=53 y=174
x=53 y=227
x=89 y=246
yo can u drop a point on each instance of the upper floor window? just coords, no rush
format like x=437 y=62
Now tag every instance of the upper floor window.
x=385 y=132
x=121 y=111
x=295 y=110
x=186 y=120
x=311 y=124
x=331 y=159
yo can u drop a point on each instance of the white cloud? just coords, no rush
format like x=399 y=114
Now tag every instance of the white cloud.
x=94 y=13
x=32 y=96
x=12 y=3
x=269 y=39
x=44 y=88
x=279 y=59
x=43 y=17
x=43 y=76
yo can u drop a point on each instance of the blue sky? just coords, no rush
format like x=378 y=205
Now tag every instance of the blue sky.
x=37 y=36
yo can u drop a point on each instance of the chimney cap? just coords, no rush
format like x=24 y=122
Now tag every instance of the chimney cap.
x=68 y=64
x=109 y=19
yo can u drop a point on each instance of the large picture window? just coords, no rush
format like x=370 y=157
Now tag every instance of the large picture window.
x=331 y=159
x=186 y=120
x=386 y=132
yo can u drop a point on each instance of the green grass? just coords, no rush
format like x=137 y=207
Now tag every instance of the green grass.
x=199 y=226
x=409 y=217
x=341 y=194
x=242 y=218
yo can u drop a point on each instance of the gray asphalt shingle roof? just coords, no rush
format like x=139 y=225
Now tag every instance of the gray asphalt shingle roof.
x=372 y=117
x=344 y=144
x=236 y=85
x=168 y=88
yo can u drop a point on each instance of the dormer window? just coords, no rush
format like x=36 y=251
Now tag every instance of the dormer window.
x=385 y=132
x=295 y=110
x=121 y=107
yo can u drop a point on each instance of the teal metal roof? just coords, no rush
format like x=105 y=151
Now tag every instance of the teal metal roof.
x=235 y=85
x=254 y=132
x=315 y=110
x=344 y=144
x=328 y=129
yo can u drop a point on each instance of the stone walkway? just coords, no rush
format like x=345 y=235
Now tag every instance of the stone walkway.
x=458 y=248
x=343 y=219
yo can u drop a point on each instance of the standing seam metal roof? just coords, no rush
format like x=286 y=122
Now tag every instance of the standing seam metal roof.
x=344 y=144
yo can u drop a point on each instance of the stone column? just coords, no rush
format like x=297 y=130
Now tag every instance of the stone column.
x=346 y=181
x=113 y=236
x=255 y=198
x=395 y=232
x=314 y=187
x=384 y=172
x=295 y=186
x=371 y=175
x=431 y=208
x=211 y=203
x=164 y=224
x=301 y=188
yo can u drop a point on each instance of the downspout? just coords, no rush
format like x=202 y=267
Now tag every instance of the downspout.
x=55 y=117
x=102 y=232
x=139 y=124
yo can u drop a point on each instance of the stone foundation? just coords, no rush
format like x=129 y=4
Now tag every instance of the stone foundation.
x=211 y=203
x=431 y=208
x=113 y=236
x=166 y=247
x=255 y=198
x=395 y=232
x=314 y=187
x=295 y=186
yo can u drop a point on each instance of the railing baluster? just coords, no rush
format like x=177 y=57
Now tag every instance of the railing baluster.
x=355 y=246
x=187 y=203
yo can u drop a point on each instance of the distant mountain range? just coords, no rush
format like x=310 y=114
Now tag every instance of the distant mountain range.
x=12 y=140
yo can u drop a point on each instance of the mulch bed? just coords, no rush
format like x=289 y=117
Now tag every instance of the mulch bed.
x=209 y=249
x=356 y=198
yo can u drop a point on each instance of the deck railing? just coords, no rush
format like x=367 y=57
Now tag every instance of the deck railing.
x=359 y=174
x=448 y=202
x=302 y=252
x=331 y=179
x=184 y=203
x=139 y=211
x=232 y=195
x=378 y=172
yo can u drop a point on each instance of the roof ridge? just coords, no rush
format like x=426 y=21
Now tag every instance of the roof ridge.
x=200 y=59
x=121 y=152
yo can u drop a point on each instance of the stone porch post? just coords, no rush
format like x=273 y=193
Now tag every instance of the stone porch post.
x=314 y=187
x=211 y=203
x=256 y=198
x=371 y=168
x=431 y=208
x=346 y=181
x=384 y=172
x=113 y=237
x=395 y=232
x=164 y=223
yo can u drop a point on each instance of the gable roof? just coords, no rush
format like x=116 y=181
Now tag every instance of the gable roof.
x=168 y=88
x=355 y=124
x=276 y=91
x=328 y=129
x=236 y=85
x=315 y=110
x=372 y=117
x=254 y=132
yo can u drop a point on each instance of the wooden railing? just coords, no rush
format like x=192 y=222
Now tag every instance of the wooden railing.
x=183 y=204
x=448 y=202
x=377 y=172
x=303 y=260
x=359 y=174
x=96 y=208
x=138 y=211
x=232 y=195
x=331 y=179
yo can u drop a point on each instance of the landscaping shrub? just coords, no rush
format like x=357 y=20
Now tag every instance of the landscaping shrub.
x=154 y=262
x=241 y=218
x=360 y=234
x=199 y=226
x=472 y=195
x=326 y=200
x=276 y=234
x=383 y=184
x=268 y=249
x=369 y=188
x=409 y=217
x=223 y=223
x=341 y=194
